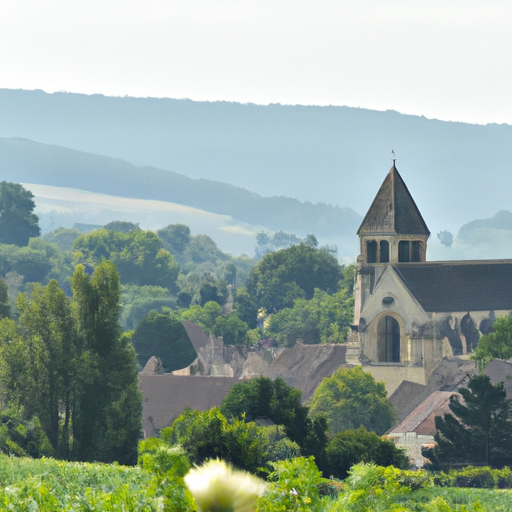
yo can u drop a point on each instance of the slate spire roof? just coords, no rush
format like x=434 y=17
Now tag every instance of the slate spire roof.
x=393 y=210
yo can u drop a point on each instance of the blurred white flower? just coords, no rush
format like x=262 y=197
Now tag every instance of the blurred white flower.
x=217 y=487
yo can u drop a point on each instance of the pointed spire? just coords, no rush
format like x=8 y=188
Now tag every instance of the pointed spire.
x=393 y=210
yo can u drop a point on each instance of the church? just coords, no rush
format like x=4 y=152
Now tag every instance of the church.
x=411 y=313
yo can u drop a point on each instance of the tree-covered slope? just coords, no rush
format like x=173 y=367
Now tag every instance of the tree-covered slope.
x=31 y=162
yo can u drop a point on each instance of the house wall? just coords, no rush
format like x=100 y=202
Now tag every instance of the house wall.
x=393 y=375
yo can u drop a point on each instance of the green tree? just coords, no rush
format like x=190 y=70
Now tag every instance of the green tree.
x=479 y=431
x=138 y=255
x=201 y=251
x=353 y=446
x=263 y=398
x=323 y=319
x=351 y=398
x=107 y=419
x=213 y=290
x=39 y=359
x=175 y=238
x=32 y=264
x=205 y=316
x=17 y=222
x=63 y=238
x=138 y=301
x=67 y=364
x=282 y=277
x=209 y=434
x=246 y=308
x=232 y=329
x=23 y=438
x=497 y=344
x=5 y=306
x=163 y=335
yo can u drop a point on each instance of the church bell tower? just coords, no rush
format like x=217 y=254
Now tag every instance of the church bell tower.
x=393 y=231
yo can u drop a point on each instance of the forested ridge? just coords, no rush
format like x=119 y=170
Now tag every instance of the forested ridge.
x=31 y=162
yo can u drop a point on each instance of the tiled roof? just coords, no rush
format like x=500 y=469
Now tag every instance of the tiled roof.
x=422 y=419
x=459 y=286
x=393 y=210
x=165 y=396
x=407 y=396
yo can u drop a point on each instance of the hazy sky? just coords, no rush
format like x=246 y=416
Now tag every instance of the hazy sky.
x=445 y=59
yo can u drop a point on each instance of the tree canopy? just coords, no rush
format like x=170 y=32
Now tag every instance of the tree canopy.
x=17 y=222
x=264 y=398
x=479 y=431
x=138 y=256
x=5 y=306
x=497 y=344
x=175 y=238
x=351 y=398
x=323 y=319
x=350 y=447
x=209 y=434
x=282 y=277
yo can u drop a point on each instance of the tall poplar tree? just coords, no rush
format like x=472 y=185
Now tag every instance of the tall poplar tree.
x=49 y=354
x=5 y=307
x=107 y=420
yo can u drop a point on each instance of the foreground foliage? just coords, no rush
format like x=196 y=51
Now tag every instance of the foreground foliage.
x=47 y=485
x=157 y=484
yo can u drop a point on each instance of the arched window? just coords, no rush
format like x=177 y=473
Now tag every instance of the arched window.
x=388 y=340
x=371 y=251
x=404 y=251
x=384 y=251
x=410 y=251
x=416 y=251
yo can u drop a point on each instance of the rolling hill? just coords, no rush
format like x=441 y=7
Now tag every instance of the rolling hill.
x=233 y=210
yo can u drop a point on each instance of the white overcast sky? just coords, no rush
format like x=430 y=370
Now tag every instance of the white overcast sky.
x=444 y=59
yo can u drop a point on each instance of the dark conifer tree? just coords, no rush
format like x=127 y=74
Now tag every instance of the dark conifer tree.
x=479 y=431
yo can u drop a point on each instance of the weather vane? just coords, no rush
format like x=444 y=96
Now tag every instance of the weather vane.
x=393 y=153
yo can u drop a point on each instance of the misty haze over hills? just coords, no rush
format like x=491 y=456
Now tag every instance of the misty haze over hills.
x=456 y=172
x=217 y=209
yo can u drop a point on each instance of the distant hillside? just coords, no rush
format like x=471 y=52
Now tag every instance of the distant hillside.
x=479 y=239
x=25 y=161
x=502 y=220
x=456 y=172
